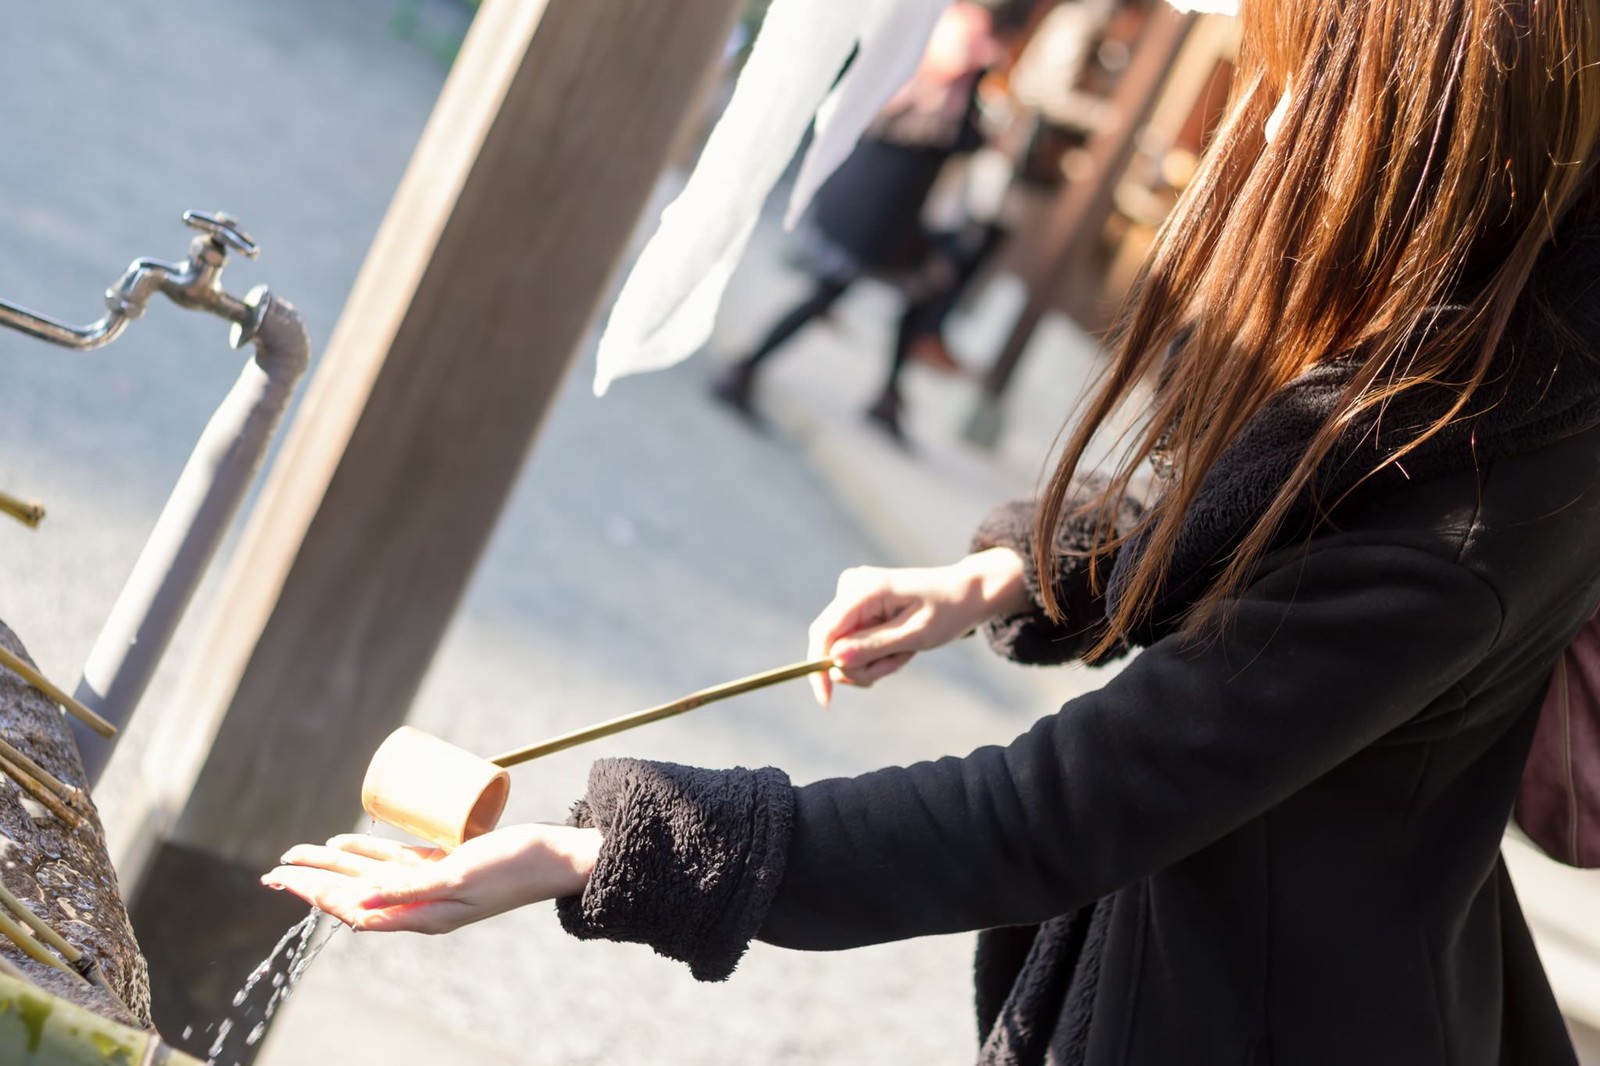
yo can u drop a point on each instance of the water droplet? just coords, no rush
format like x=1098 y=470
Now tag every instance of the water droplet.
x=222 y=1035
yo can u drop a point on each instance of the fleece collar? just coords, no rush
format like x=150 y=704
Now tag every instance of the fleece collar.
x=1549 y=374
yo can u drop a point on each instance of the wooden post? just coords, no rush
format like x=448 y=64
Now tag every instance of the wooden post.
x=1085 y=204
x=480 y=287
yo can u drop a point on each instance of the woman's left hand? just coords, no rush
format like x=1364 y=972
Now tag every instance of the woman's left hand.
x=371 y=883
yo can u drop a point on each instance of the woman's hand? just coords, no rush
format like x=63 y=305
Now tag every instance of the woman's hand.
x=880 y=618
x=372 y=883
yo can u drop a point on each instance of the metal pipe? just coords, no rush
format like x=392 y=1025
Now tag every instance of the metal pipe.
x=194 y=521
x=219 y=472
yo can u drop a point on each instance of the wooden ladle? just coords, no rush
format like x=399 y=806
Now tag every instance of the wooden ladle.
x=447 y=795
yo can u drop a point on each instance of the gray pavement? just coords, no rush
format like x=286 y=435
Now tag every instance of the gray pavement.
x=653 y=546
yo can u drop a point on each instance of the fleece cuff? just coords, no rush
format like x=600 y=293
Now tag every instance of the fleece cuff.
x=690 y=862
x=1031 y=637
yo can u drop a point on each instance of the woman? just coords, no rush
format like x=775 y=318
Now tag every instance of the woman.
x=1273 y=837
x=868 y=218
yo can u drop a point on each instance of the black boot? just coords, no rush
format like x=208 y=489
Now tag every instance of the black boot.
x=885 y=414
x=734 y=388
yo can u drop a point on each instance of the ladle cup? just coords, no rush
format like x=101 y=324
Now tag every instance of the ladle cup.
x=447 y=795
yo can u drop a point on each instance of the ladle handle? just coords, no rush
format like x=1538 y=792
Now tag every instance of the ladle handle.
x=666 y=710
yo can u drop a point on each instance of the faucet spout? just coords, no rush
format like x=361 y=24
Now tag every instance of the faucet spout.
x=78 y=338
x=195 y=283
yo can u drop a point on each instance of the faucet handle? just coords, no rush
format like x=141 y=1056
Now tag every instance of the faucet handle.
x=224 y=229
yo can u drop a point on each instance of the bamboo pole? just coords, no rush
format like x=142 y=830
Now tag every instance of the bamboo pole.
x=83 y=965
x=37 y=1028
x=40 y=927
x=666 y=710
x=20 y=666
x=72 y=797
x=13 y=971
x=29 y=514
x=49 y=800
x=30 y=946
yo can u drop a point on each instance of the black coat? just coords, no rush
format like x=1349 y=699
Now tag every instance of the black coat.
x=1280 y=845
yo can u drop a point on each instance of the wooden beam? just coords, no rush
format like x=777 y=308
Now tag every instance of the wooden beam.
x=481 y=286
x=482 y=283
x=1085 y=205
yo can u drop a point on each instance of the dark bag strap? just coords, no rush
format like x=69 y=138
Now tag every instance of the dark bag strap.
x=1558 y=804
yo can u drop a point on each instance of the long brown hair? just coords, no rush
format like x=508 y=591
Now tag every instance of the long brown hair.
x=1428 y=151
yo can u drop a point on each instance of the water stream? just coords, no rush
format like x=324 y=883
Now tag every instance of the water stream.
x=286 y=965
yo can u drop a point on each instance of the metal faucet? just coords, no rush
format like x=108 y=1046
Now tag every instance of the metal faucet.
x=195 y=283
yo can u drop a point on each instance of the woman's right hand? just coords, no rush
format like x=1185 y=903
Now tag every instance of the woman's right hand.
x=880 y=618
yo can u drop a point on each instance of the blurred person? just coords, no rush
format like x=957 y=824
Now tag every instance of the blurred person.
x=869 y=217
x=1274 y=835
x=1046 y=84
x=1047 y=70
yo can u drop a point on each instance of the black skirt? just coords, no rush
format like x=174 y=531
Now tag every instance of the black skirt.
x=871 y=208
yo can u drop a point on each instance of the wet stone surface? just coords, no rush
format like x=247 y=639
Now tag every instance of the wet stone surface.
x=63 y=875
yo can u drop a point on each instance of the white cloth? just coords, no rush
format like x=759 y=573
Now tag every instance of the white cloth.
x=668 y=304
